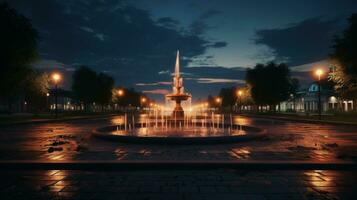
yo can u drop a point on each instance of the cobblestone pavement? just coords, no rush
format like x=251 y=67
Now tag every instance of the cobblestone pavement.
x=73 y=141
x=169 y=184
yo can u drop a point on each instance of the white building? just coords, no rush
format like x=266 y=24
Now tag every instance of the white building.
x=307 y=101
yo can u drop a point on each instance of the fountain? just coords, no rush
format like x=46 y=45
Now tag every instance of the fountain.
x=178 y=93
x=178 y=128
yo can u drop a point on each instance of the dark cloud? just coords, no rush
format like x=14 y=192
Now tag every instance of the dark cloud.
x=300 y=43
x=114 y=37
x=200 y=26
x=209 y=14
x=168 y=22
x=219 y=44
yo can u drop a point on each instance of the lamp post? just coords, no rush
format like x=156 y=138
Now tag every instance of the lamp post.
x=120 y=94
x=219 y=102
x=142 y=102
x=56 y=77
x=319 y=73
x=47 y=96
x=239 y=96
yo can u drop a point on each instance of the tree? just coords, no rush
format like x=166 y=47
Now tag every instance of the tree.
x=130 y=97
x=344 y=57
x=85 y=85
x=35 y=90
x=270 y=84
x=18 y=49
x=104 y=87
x=228 y=96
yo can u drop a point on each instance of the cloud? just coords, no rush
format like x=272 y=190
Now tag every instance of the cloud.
x=87 y=29
x=219 y=44
x=164 y=72
x=311 y=66
x=100 y=36
x=299 y=43
x=168 y=22
x=49 y=64
x=200 y=26
x=157 y=91
x=154 y=84
x=210 y=13
x=216 y=80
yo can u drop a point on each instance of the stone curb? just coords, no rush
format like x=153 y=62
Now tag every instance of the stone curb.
x=178 y=165
x=39 y=121
x=314 y=121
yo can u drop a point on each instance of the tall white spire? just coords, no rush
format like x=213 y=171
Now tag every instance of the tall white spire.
x=177 y=65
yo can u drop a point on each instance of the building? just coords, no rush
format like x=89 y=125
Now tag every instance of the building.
x=307 y=100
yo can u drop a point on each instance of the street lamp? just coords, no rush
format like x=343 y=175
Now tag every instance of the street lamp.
x=319 y=73
x=120 y=92
x=219 y=102
x=56 y=77
x=239 y=96
x=47 y=96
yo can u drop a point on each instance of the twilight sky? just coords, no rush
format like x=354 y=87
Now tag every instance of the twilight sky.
x=135 y=41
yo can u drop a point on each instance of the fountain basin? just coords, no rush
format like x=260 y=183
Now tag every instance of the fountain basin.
x=199 y=134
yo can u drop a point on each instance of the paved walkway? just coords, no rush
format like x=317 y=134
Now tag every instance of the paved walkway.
x=73 y=141
x=173 y=184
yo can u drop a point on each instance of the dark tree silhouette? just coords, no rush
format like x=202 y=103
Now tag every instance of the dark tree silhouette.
x=103 y=90
x=228 y=96
x=91 y=87
x=18 y=49
x=344 y=56
x=130 y=98
x=270 y=83
x=84 y=85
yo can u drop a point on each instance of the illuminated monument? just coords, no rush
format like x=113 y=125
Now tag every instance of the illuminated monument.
x=178 y=93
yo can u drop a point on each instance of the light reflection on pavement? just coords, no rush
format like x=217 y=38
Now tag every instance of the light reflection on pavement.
x=73 y=141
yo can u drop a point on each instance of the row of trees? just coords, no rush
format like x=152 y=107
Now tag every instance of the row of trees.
x=89 y=86
x=268 y=84
x=271 y=84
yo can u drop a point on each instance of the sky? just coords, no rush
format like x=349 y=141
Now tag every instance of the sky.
x=136 y=41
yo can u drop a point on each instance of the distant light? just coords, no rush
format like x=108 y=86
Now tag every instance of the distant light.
x=143 y=99
x=240 y=93
x=47 y=94
x=218 y=100
x=56 y=77
x=120 y=92
x=319 y=73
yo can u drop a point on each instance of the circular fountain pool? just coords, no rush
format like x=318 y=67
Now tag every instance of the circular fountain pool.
x=175 y=133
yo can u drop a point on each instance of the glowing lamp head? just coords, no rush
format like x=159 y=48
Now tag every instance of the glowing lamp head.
x=56 y=77
x=240 y=92
x=218 y=100
x=47 y=94
x=120 y=92
x=143 y=100
x=319 y=73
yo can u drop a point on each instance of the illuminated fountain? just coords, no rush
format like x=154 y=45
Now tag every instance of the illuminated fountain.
x=178 y=94
x=194 y=127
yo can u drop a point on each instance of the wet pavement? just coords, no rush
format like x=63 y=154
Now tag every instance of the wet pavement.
x=183 y=184
x=73 y=141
